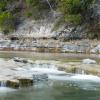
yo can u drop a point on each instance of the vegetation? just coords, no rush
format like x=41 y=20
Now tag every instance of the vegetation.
x=74 y=10
x=6 y=22
x=12 y=10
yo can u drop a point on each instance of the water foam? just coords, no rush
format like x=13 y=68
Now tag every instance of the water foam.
x=6 y=89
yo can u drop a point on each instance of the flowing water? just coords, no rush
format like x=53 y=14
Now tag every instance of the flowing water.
x=53 y=91
x=59 y=86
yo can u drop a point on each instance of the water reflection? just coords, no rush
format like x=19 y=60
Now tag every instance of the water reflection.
x=54 y=90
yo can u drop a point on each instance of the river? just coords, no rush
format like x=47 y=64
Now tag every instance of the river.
x=52 y=89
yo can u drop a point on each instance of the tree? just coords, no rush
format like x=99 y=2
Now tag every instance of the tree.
x=74 y=9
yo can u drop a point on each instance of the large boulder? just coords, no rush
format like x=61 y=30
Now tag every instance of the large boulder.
x=96 y=49
x=88 y=61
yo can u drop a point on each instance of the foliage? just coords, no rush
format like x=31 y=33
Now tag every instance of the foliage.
x=74 y=10
x=6 y=22
x=75 y=19
x=2 y=6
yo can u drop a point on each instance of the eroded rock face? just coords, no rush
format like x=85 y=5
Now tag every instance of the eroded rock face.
x=37 y=28
x=71 y=32
x=96 y=11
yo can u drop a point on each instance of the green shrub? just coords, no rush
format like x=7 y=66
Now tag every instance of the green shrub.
x=28 y=14
x=75 y=19
x=2 y=6
x=6 y=22
x=73 y=10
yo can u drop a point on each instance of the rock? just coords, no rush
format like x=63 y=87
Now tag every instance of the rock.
x=22 y=60
x=16 y=82
x=77 y=47
x=89 y=61
x=12 y=84
x=7 y=82
x=40 y=28
x=30 y=61
x=74 y=48
x=25 y=82
x=96 y=49
x=71 y=32
x=96 y=11
x=69 y=48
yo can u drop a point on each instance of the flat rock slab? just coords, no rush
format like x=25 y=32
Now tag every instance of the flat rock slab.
x=17 y=74
x=52 y=46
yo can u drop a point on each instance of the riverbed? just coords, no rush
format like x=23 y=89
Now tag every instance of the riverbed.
x=56 y=88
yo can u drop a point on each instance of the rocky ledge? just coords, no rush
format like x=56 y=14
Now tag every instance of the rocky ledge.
x=21 y=72
x=51 y=45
